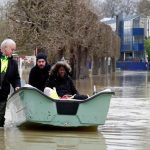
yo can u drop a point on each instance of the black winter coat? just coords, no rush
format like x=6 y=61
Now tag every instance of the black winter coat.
x=11 y=77
x=64 y=86
x=38 y=77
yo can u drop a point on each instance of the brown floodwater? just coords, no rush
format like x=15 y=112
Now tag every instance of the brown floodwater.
x=127 y=126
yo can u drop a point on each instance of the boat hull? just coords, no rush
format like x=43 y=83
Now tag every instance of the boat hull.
x=29 y=105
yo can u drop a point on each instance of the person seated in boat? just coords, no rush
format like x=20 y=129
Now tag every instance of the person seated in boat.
x=40 y=72
x=59 y=78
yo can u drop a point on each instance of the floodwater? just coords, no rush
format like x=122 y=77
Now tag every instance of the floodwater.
x=127 y=126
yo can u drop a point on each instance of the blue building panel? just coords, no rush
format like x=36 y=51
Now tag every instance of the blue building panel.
x=122 y=48
x=131 y=33
x=133 y=47
x=138 y=32
x=138 y=47
x=132 y=65
x=125 y=47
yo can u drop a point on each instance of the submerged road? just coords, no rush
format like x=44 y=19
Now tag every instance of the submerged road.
x=127 y=126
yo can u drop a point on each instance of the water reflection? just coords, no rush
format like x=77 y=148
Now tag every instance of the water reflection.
x=127 y=126
x=2 y=139
x=125 y=84
x=128 y=123
x=16 y=139
x=134 y=84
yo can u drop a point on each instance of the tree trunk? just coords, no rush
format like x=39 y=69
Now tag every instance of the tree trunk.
x=113 y=64
x=73 y=65
x=83 y=67
x=78 y=58
x=96 y=65
x=103 y=65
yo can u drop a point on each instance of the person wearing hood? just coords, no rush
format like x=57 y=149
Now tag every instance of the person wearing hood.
x=59 y=78
x=9 y=74
x=40 y=72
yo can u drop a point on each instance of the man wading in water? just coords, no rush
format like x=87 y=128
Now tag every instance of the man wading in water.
x=9 y=74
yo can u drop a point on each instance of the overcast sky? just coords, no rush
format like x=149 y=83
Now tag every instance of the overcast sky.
x=3 y=1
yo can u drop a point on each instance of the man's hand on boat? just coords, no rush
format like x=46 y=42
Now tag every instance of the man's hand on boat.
x=17 y=88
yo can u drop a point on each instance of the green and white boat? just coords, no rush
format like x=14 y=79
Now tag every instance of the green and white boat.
x=31 y=106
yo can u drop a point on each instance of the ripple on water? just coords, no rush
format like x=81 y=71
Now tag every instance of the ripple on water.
x=127 y=126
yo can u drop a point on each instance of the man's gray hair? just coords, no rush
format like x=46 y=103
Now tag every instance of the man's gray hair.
x=7 y=42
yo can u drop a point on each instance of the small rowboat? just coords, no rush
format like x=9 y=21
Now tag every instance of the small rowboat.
x=31 y=106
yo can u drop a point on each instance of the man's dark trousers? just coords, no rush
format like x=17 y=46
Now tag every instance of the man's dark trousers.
x=2 y=111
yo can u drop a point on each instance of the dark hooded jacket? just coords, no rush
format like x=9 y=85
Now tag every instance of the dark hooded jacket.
x=38 y=77
x=64 y=86
x=11 y=77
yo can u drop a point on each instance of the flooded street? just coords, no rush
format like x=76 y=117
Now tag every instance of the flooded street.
x=127 y=126
x=128 y=123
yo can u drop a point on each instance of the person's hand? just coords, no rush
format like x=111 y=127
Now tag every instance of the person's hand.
x=17 y=88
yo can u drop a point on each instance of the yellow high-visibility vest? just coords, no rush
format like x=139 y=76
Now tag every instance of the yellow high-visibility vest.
x=4 y=64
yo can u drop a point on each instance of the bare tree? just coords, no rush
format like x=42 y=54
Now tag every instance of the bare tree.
x=4 y=25
x=144 y=7
x=66 y=28
x=113 y=7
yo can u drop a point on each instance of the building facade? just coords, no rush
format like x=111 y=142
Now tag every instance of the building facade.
x=132 y=31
